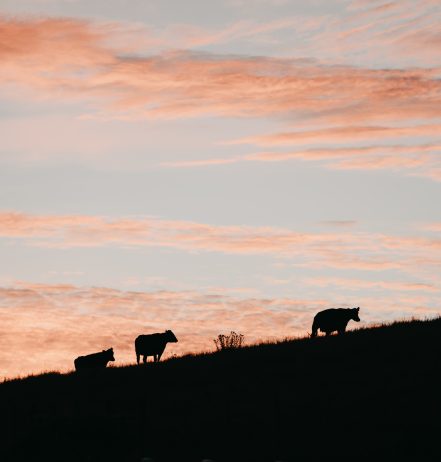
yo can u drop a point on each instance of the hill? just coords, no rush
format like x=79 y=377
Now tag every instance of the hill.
x=370 y=394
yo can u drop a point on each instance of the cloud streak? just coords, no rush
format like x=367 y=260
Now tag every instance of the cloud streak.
x=403 y=32
x=341 y=134
x=422 y=160
x=181 y=84
x=356 y=284
x=357 y=250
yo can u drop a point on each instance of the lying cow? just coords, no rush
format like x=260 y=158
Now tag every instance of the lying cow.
x=94 y=360
x=334 y=319
x=153 y=345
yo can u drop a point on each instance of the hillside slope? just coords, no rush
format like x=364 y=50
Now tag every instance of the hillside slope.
x=370 y=394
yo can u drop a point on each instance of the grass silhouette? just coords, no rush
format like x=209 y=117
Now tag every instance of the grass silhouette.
x=371 y=393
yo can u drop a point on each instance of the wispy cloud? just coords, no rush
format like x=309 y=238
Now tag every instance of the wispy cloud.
x=357 y=250
x=50 y=325
x=421 y=160
x=399 y=33
x=191 y=36
x=342 y=134
x=367 y=284
x=70 y=59
x=78 y=59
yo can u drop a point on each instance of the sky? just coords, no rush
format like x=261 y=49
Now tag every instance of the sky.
x=213 y=166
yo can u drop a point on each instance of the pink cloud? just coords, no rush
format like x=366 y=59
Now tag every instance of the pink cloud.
x=341 y=134
x=79 y=230
x=422 y=160
x=186 y=36
x=44 y=327
x=343 y=153
x=100 y=68
x=397 y=32
x=347 y=260
x=46 y=53
x=358 y=250
x=368 y=284
x=412 y=28
x=182 y=84
x=380 y=162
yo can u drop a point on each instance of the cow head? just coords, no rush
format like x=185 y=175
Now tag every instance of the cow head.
x=109 y=354
x=171 y=336
x=354 y=314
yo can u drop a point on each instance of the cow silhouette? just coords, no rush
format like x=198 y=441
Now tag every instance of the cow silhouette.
x=94 y=360
x=153 y=345
x=334 y=319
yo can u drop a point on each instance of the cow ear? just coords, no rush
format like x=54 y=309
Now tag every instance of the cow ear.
x=358 y=309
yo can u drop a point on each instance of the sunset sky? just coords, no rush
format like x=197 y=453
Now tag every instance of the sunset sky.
x=209 y=166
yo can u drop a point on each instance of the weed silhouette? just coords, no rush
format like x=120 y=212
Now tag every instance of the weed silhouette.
x=228 y=342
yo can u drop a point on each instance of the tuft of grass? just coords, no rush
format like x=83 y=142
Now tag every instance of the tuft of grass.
x=229 y=342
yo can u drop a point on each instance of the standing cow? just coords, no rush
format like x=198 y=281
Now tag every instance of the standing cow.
x=153 y=345
x=334 y=319
x=94 y=360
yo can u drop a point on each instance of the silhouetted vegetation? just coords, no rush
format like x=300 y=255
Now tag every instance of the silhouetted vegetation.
x=228 y=342
x=371 y=394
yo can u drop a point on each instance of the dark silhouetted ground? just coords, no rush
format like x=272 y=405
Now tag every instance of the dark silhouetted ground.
x=372 y=394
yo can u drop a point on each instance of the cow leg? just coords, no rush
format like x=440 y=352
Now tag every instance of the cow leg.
x=137 y=358
x=144 y=359
x=328 y=333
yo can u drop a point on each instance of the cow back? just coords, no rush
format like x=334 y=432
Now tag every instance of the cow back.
x=332 y=318
x=94 y=360
x=150 y=345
